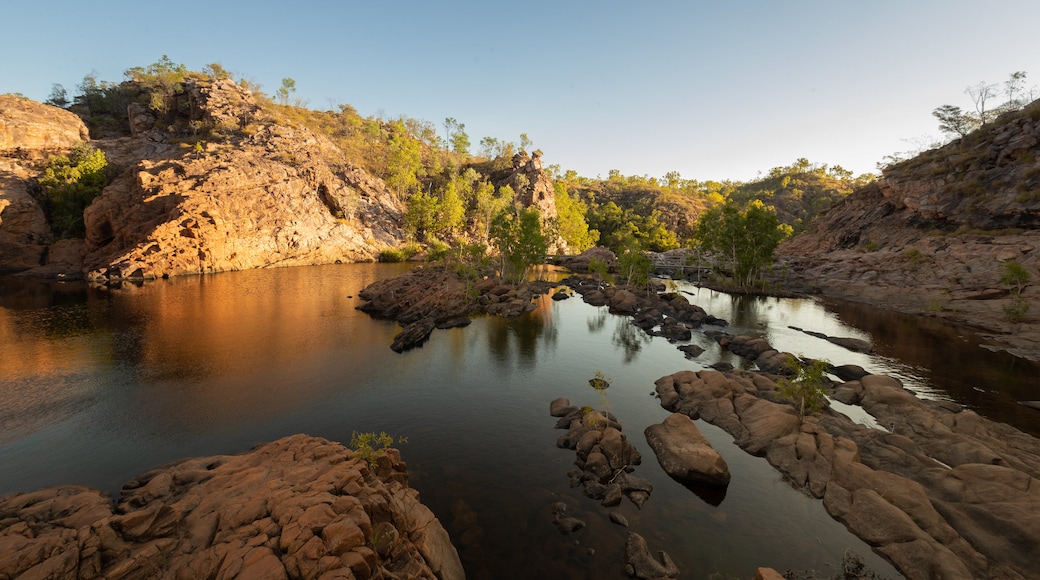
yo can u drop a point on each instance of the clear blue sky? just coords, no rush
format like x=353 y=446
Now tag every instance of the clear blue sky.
x=714 y=90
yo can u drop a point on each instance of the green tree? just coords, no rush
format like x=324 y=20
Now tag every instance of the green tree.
x=1014 y=274
x=517 y=234
x=58 y=97
x=404 y=160
x=286 y=90
x=954 y=121
x=488 y=203
x=420 y=215
x=746 y=237
x=571 y=220
x=805 y=388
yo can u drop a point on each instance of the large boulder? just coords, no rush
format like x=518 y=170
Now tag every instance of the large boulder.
x=33 y=129
x=684 y=453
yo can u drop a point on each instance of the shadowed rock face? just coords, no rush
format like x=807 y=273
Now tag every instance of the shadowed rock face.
x=931 y=234
x=297 y=507
x=943 y=493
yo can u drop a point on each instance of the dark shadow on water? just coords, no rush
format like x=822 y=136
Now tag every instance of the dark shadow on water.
x=712 y=495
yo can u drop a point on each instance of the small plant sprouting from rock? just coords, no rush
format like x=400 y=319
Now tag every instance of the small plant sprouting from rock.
x=369 y=446
x=1015 y=276
x=599 y=381
x=806 y=386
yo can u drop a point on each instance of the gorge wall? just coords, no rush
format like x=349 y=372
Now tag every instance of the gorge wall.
x=931 y=235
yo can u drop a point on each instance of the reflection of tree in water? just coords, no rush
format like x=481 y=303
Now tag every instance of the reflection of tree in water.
x=745 y=311
x=629 y=338
x=528 y=330
x=597 y=322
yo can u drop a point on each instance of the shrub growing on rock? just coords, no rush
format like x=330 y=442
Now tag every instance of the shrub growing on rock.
x=68 y=185
x=806 y=386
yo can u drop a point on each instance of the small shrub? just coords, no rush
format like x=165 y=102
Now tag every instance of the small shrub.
x=806 y=388
x=394 y=255
x=1017 y=309
x=68 y=185
x=369 y=446
x=1014 y=274
x=871 y=247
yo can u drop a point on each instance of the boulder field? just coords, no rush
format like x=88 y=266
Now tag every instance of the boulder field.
x=299 y=507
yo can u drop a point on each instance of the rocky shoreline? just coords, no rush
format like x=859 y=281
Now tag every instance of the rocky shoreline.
x=299 y=507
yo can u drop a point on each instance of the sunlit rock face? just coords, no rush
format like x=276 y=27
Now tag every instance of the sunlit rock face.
x=298 y=507
x=931 y=236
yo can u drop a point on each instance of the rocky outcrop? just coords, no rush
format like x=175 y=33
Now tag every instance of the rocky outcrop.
x=258 y=194
x=300 y=507
x=277 y=197
x=437 y=297
x=32 y=130
x=941 y=492
x=605 y=458
x=930 y=236
x=684 y=453
x=30 y=133
x=532 y=186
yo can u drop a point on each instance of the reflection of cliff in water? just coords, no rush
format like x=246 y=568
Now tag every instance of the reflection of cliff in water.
x=950 y=357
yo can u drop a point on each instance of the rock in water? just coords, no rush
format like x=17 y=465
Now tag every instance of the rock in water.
x=684 y=453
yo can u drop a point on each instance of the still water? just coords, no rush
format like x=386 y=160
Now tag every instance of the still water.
x=99 y=385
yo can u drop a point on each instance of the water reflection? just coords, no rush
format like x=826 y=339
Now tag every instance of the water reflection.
x=629 y=338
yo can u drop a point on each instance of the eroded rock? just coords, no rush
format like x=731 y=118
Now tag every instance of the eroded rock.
x=297 y=507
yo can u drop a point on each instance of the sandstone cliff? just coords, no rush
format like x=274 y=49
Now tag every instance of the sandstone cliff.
x=257 y=194
x=300 y=507
x=29 y=133
x=932 y=234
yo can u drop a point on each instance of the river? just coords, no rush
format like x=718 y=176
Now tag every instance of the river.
x=99 y=385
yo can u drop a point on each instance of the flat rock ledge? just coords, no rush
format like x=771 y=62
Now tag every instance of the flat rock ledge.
x=940 y=491
x=300 y=507
x=684 y=453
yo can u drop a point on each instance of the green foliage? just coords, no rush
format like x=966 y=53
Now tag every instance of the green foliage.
x=599 y=267
x=518 y=236
x=420 y=216
x=286 y=90
x=68 y=185
x=635 y=267
x=369 y=446
x=625 y=228
x=571 y=220
x=162 y=79
x=806 y=386
x=394 y=255
x=1014 y=274
x=404 y=161
x=1018 y=308
x=746 y=237
x=58 y=97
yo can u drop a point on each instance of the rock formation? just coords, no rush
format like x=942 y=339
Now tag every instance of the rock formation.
x=941 y=492
x=930 y=236
x=257 y=195
x=437 y=297
x=29 y=133
x=300 y=507
x=684 y=453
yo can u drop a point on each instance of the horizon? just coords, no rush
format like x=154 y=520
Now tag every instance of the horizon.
x=720 y=93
